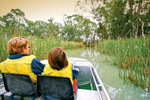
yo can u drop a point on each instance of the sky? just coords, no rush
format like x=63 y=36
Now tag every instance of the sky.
x=40 y=9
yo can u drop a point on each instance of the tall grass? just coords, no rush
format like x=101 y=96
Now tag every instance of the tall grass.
x=72 y=45
x=132 y=56
x=39 y=47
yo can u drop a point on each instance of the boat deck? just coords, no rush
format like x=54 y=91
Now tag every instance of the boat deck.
x=87 y=95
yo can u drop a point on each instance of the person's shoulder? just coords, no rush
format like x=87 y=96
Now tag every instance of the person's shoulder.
x=32 y=56
x=3 y=61
x=28 y=56
x=69 y=62
x=47 y=66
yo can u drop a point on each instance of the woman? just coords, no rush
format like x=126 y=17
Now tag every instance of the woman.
x=58 y=65
x=20 y=61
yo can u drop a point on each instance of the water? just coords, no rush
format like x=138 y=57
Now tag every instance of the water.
x=108 y=73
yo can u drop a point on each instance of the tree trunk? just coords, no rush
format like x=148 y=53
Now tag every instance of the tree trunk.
x=142 y=28
x=137 y=29
x=132 y=19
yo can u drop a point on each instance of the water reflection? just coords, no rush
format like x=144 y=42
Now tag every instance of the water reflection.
x=109 y=75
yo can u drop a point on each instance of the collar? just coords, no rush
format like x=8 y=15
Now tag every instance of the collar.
x=17 y=56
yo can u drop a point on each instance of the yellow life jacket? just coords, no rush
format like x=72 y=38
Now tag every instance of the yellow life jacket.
x=19 y=66
x=65 y=72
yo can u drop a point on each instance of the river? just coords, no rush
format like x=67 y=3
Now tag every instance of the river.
x=108 y=73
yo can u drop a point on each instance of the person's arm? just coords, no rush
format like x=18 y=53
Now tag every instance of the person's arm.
x=75 y=71
x=36 y=66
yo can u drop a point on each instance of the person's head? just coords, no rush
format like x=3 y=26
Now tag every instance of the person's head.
x=57 y=58
x=18 y=45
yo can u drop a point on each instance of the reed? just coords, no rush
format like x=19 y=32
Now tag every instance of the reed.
x=39 y=47
x=72 y=45
x=131 y=57
x=3 y=47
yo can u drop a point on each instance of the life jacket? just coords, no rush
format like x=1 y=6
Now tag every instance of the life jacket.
x=65 y=72
x=19 y=66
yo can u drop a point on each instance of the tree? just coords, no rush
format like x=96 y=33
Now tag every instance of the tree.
x=121 y=18
x=14 y=21
x=102 y=32
x=53 y=28
x=80 y=27
x=69 y=31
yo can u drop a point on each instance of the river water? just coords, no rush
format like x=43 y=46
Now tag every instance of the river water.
x=108 y=73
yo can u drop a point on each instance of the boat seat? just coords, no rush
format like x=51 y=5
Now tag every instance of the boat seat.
x=55 y=87
x=19 y=84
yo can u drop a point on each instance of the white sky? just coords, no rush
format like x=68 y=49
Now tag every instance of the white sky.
x=40 y=9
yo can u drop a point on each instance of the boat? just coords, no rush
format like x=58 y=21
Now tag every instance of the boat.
x=89 y=84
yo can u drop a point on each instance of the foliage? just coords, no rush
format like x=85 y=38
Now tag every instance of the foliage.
x=75 y=27
x=79 y=28
x=120 y=18
x=116 y=19
x=15 y=22
x=70 y=32
x=43 y=29
x=132 y=58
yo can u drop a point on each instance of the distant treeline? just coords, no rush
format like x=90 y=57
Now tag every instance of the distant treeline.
x=114 y=21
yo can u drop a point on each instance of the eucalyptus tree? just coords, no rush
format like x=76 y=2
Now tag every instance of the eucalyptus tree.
x=39 y=28
x=110 y=17
x=76 y=22
x=14 y=20
x=8 y=19
x=19 y=15
x=89 y=30
x=93 y=7
x=29 y=27
x=116 y=19
x=139 y=14
x=120 y=18
x=102 y=32
x=53 y=28
x=69 y=31
x=81 y=28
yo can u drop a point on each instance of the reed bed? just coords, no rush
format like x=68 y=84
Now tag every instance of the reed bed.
x=132 y=56
x=39 y=47
x=71 y=45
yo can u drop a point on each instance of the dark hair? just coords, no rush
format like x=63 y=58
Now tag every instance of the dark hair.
x=57 y=58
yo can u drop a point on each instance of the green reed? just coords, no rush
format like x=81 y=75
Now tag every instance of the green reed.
x=3 y=47
x=41 y=47
x=131 y=57
x=38 y=46
x=72 y=45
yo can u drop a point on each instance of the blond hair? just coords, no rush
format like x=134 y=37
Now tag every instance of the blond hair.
x=15 y=45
